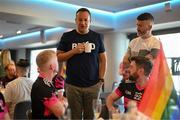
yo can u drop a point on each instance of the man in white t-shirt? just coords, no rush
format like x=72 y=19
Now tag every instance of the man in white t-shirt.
x=19 y=89
x=145 y=44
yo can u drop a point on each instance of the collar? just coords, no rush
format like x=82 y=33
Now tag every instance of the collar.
x=45 y=80
x=141 y=87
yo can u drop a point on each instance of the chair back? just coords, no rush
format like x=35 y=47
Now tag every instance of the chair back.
x=21 y=109
x=104 y=112
x=29 y=114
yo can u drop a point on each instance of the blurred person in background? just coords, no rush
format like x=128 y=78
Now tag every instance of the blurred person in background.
x=5 y=59
x=20 y=88
x=10 y=74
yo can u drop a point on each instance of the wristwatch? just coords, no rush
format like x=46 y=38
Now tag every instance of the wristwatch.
x=101 y=79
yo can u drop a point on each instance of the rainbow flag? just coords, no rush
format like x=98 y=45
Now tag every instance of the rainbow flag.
x=160 y=101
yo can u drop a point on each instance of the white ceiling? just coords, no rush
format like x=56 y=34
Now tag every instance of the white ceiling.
x=9 y=26
x=35 y=15
x=113 y=5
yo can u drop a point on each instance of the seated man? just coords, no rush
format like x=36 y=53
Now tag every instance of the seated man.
x=140 y=68
x=10 y=71
x=20 y=88
x=45 y=103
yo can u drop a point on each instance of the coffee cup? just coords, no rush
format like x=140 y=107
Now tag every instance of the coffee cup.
x=89 y=47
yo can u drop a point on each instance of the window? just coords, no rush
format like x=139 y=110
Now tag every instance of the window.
x=171 y=48
x=33 y=67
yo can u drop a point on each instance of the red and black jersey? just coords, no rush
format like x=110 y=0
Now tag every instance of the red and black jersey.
x=42 y=95
x=130 y=91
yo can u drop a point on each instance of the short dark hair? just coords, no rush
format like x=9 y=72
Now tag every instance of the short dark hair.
x=144 y=63
x=83 y=10
x=145 y=16
x=23 y=63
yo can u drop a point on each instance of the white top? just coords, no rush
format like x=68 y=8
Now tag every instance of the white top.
x=16 y=91
x=138 y=44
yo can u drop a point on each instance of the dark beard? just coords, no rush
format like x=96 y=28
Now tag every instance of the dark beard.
x=133 y=77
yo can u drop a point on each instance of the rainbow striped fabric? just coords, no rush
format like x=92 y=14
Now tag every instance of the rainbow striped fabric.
x=160 y=100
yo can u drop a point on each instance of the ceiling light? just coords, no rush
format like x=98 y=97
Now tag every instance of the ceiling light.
x=33 y=34
x=19 y=32
x=22 y=36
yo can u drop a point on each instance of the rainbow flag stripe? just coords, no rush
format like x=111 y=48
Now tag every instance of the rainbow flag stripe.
x=160 y=101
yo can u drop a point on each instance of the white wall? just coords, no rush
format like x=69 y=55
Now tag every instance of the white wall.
x=116 y=44
x=20 y=54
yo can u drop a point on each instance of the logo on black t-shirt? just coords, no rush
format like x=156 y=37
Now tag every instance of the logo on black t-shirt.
x=93 y=46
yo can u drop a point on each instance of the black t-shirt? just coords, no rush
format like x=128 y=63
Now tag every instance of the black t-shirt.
x=82 y=69
x=5 y=80
x=130 y=91
x=39 y=93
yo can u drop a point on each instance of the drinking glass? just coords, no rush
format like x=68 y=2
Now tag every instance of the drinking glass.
x=115 y=115
x=97 y=105
x=67 y=114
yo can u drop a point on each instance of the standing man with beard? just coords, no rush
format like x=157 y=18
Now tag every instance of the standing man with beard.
x=85 y=56
x=145 y=44
x=140 y=68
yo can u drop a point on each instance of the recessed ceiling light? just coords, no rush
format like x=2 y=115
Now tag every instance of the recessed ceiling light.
x=1 y=36
x=19 y=32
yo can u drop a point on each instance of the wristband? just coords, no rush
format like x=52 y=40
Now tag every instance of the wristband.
x=101 y=79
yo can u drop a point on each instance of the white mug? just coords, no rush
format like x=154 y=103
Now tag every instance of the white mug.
x=89 y=47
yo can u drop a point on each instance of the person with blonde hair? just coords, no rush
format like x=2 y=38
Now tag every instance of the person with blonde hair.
x=45 y=103
x=7 y=67
x=5 y=59
x=19 y=89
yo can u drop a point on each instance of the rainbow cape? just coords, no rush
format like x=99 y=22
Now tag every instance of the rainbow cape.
x=160 y=100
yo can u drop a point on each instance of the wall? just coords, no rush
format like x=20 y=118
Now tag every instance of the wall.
x=20 y=54
x=125 y=21
x=116 y=44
